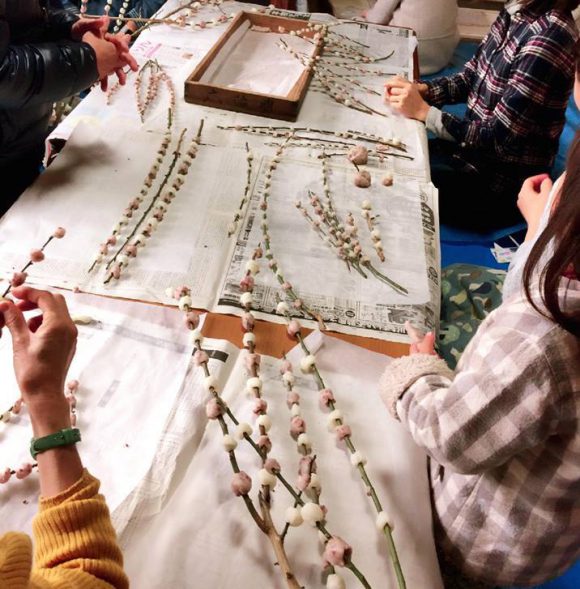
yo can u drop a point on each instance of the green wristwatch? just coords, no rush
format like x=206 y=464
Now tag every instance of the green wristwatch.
x=65 y=437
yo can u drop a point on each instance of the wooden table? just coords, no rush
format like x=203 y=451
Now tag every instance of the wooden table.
x=272 y=336
x=274 y=341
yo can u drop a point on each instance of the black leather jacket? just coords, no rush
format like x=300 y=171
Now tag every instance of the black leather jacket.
x=39 y=64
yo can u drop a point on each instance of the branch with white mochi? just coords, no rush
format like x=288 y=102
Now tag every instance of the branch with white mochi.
x=337 y=424
x=337 y=552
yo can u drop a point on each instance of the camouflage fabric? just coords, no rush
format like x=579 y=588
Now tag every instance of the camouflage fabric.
x=468 y=294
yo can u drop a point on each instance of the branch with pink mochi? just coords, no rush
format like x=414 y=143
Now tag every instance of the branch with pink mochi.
x=336 y=551
x=337 y=424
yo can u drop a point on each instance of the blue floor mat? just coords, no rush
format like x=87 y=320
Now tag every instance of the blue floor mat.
x=569 y=580
x=570 y=128
x=470 y=248
x=464 y=247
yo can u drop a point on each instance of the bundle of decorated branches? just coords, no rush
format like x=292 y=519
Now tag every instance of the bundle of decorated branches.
x=339 y=87
x=154 y=74
x=133 y=232
x=342 y=235
x=338 y=424
x=341 y=90
x=391 y=147
x=289 y=291
x=152 y=77
x=239 y=214
x=305 y=507
x=36 y=256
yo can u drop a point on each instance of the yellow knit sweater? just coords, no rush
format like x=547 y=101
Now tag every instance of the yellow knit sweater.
x=75 y=545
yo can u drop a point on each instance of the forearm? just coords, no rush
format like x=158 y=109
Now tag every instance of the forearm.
x=447 y=90
x=75 y=543
x=501 y=401
x=75 y=540
x=532 y=229
x=382 y=12
x=531 y=104
x=434 y=123
x=415 y=389
x=60 y=22
x=58 y=468
x=491 y=137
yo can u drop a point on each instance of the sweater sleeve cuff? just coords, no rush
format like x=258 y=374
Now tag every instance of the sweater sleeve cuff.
x=434 y=123
x=403 y=372
x=85 y=488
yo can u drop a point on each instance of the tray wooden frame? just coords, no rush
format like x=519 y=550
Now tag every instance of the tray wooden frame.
x=254 y=103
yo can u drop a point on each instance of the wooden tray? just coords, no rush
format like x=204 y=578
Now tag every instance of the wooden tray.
x=246 y=101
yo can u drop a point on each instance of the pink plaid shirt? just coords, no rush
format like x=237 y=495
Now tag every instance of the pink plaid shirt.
x=503 y=434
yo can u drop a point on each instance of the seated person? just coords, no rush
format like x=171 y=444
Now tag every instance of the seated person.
x=434 y=22
x=502 y=431
x=45 y=56
x=516 y=87
x=136 y=9
x=75 y=543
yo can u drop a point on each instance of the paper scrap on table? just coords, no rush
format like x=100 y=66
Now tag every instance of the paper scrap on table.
x=200 y=514
x=503 y=255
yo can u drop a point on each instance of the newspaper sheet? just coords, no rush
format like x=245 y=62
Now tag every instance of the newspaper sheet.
x=190 y=504
x=92 y=181
x=405 y=214
x=106 y=160
x=131 y=362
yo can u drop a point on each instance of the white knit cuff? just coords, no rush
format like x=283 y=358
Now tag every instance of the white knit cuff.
x=404 y=372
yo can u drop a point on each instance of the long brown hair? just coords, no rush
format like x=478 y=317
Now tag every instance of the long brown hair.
x=564 y=229
x=545 y=5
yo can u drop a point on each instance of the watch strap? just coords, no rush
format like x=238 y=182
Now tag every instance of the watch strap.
x=64 y=437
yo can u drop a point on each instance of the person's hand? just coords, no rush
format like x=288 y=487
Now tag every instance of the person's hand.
x=97 y=26
x=121 y=41
x=129 y=28
x=405 y=97
x=421 y=343
x=423 y=89
x=532 y=200
x=424 y=346
x=363 y=14
x=43 y=346
x=112 y=52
